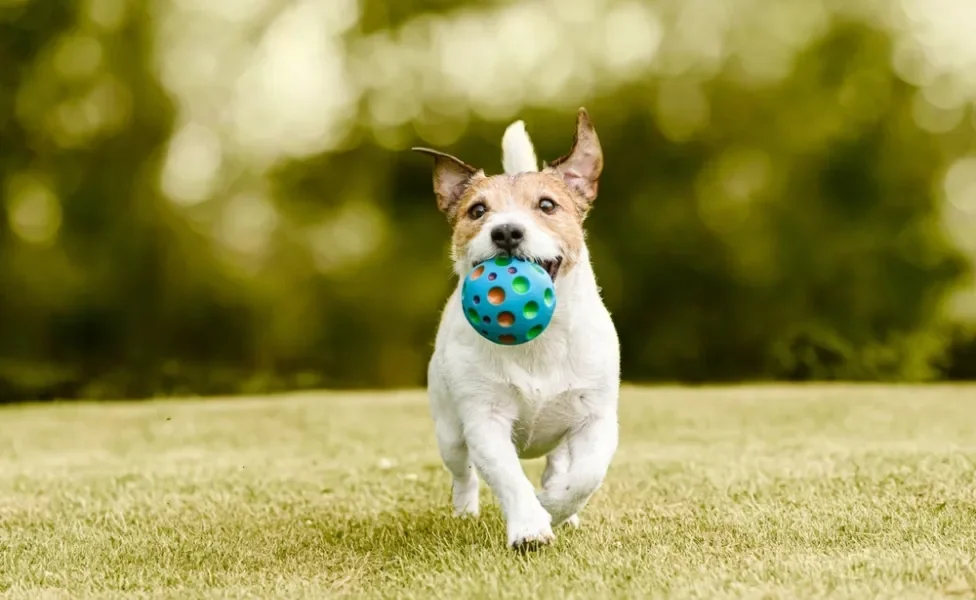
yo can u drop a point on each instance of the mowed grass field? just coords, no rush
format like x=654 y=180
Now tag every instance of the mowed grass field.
x=775 y=492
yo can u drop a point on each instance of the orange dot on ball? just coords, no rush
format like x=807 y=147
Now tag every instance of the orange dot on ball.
x=506 y=338
x=496 y=295
x=506 y=319
x=477 y=272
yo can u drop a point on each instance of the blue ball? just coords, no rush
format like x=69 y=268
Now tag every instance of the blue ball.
x=508 y=301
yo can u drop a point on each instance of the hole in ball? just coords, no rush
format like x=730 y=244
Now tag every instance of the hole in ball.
x=492 y=276
x=486 y=320
x=473 y=315
x=477 y=272
x=506 y=338
x=496 y=295
x=534 y=332
x=548 y=297
x=476 y=299
x=506 y=319
x=512 y=270
x=520 y=284
x=530 y=310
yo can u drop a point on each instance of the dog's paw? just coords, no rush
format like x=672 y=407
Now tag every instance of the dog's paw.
x=465 y=500
x=466 y=512
x=572 y=522
x=529 y=541
x=530 y=534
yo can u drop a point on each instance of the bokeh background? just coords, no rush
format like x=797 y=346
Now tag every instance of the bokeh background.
x=216 y=196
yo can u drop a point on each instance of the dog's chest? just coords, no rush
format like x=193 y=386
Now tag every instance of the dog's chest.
x=546 y=404
x=541 y=422
x=547 y=395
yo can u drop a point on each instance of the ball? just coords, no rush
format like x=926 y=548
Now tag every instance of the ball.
x=508 y=300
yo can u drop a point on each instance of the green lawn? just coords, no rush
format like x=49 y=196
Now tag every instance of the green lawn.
x=779 y=492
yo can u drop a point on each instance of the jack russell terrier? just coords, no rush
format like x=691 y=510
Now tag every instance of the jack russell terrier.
x=555 y=395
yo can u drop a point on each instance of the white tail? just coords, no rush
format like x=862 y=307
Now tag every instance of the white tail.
x=518 y=153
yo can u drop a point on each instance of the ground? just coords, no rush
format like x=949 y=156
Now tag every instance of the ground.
x=778 y=492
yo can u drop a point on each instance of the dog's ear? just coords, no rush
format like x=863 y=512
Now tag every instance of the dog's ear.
x=451 y=178
x=581 y=168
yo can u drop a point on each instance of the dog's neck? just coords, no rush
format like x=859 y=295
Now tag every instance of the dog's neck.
x=575 y=289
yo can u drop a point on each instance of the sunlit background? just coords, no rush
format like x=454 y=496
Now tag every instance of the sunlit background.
x=216 y=196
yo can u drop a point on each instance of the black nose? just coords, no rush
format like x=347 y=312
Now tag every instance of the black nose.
x=507 y=236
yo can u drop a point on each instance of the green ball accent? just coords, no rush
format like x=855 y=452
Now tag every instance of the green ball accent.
x=520 y=284
x=548 y=297
x=473 y=315
x=531 y=309
x=502 y=261
x=534 y=332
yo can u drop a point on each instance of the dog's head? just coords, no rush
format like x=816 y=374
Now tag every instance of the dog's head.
x=534 y=215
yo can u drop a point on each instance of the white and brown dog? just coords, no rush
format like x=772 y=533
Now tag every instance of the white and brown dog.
x=555 y=395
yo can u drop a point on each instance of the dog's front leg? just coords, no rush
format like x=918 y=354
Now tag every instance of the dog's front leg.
x=489 y=439
x=454 y=452
x=589 y=450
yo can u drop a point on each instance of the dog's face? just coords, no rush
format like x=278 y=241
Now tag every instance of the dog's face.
x=537 y=216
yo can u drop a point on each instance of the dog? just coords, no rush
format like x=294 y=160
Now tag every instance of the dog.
x=555 y=396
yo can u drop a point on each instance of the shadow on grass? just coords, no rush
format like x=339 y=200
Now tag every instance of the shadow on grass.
x=404 y=533
x=429 y=538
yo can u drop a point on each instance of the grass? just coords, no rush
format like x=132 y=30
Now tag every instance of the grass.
x=779 y=492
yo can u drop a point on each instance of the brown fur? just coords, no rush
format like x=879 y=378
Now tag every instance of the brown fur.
x=571 y=182
x=525 y=191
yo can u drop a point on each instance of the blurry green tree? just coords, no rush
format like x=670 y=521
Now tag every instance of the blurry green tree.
x=786 y=212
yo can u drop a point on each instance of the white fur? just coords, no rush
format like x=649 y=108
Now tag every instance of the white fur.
x=518 y=153
x=555 y=396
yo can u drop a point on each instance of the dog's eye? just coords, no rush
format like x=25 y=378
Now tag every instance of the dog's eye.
x=547 y=206
x=477 y=211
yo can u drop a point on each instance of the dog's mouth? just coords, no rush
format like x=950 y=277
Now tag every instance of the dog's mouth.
x=550 y=266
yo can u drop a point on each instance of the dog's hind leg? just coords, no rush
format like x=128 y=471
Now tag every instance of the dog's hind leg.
x=454 y=453
x=557 y=463
x=589 y=450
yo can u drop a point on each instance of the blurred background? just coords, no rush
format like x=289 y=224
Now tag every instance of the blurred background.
x=215 y=196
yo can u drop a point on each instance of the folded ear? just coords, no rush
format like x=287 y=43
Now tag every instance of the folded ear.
x=452 y=177
x=581 y=168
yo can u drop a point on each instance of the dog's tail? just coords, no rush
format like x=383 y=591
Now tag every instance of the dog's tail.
x=518 y=153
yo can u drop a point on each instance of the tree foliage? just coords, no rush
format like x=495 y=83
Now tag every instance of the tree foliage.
x=789 y=227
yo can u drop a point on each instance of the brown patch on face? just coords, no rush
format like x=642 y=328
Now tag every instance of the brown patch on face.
x=565 y=223
x=487 y=192
x=525 y=191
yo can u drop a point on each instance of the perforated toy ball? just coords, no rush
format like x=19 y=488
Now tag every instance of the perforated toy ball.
x=508 y=301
